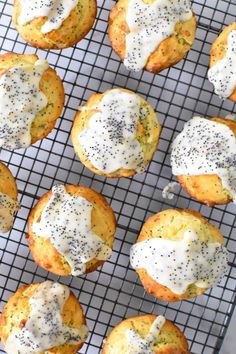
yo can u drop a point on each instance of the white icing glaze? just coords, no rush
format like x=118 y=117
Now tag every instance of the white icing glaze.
x=168 y=191
x=206 y=147
x=20 y=101
x=109 y=141
x=178 y=264
x=139 y=345
x=149 y=25
x=45 y=328
x=66 y=222
x=223 y=74
x=8 y=209
x=56 y=12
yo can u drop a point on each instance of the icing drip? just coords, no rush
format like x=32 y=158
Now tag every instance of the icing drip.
x=109 y=141
x=223 y=74
x=149 y=25
x=178 y=264
x=168 y=191
x=20 y=101
x=139 y=345
x=56 y=12
x=8 y=209
x=45 y=328
x=66 y=222
x=206 y=147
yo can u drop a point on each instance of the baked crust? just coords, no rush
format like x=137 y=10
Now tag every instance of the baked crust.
x=50 y=84
x=73 y=29
x=219 y=49
x=103 y=224
x=148 y=132
x=7 y=182
x=208 y=189
x=171 y=225
x=168 y=53
x=170 y=340
x=16 y=313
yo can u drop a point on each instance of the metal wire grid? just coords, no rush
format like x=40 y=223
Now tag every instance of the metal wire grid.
x=113 y=292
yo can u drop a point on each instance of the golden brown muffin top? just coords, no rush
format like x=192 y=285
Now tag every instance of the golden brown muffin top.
x=72 y=30
x=169 y=341
x=172 y=225
x=50 y=85
x=147 y=131
x=169 y=52
x=17 y=311
x=103 y=224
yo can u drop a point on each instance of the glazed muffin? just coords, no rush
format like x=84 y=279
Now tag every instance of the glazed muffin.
x=33 y=100
x=148 y=35
x=116 y=133
x=222 y=72
x=43 y=317
x=179 y=255
x=71 y=230
x=54 y=25
x=203 y=159
x=148 y=334
x=9 y=204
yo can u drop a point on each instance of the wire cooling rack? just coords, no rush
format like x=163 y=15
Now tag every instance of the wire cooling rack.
x=114 y=292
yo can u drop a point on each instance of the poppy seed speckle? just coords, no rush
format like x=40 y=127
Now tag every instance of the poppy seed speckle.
x=45 y=328
x=8 y=209
x=206 y=147
x=223 y=73
x=109 y=140
x=20 y=101
x=178 y=264
x=149 y=25
x=66 y=222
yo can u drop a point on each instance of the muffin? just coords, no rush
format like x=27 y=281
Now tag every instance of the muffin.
x=222 y=72
x=43 y=317
x=55 y=25
x=203 y=159
x=71 y=230
x=179 y=255
x=148 y=35
x=115 y=134
x=33 y=100
x=8 y=198
x=147 y=334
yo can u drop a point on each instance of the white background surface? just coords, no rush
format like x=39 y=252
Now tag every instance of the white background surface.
x=114 y=292
x=229 y=345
